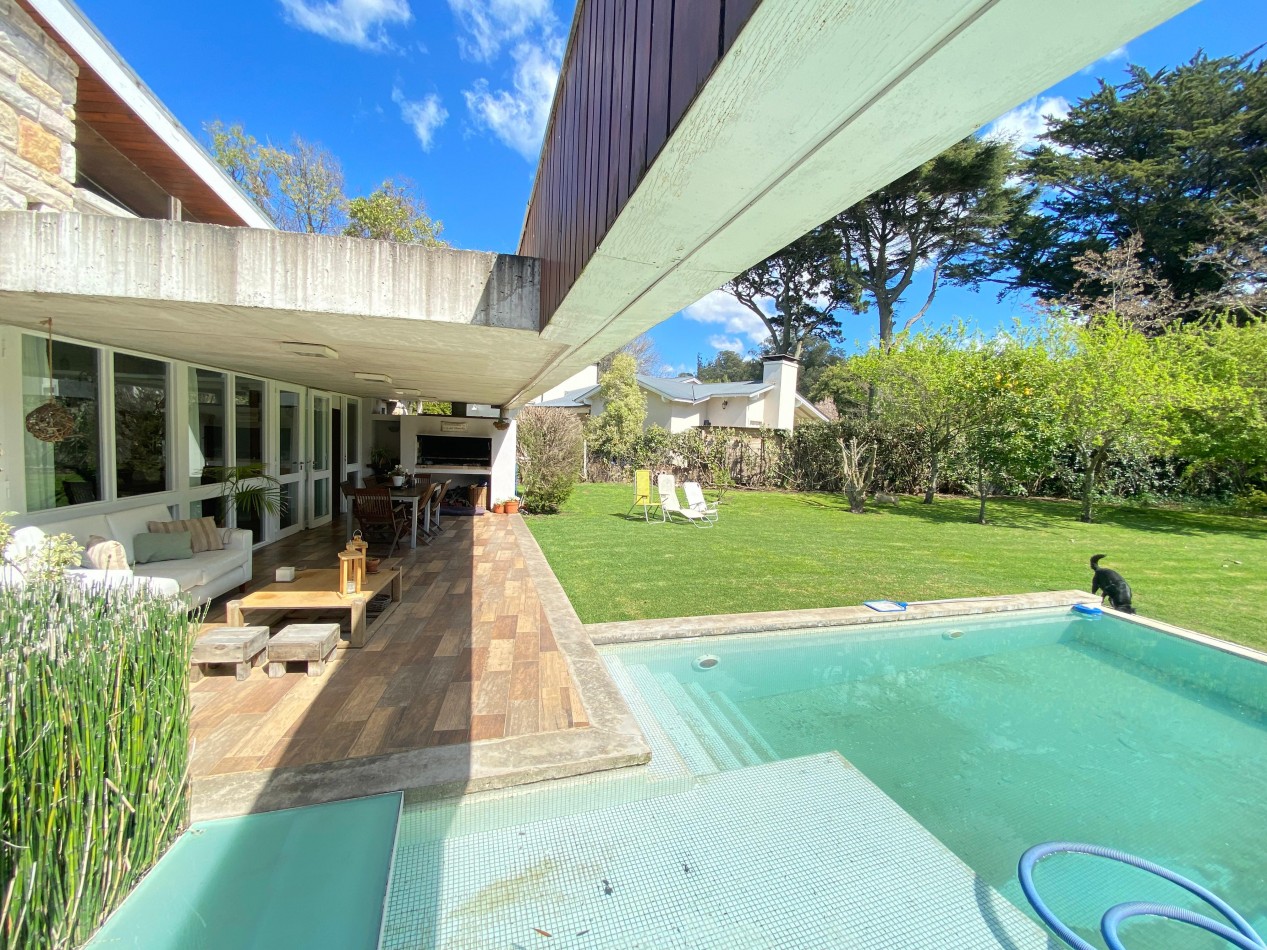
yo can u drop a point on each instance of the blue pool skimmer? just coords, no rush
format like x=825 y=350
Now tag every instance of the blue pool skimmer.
x=1242 y=936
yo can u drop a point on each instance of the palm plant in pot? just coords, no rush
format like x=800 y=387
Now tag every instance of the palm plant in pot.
x=249 y=491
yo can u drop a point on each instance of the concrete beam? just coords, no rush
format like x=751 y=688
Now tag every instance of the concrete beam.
x=447 y=324
x=817 y=104
x=181 y=263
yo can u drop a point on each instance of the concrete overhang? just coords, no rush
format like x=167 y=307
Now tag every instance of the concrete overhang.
x=816 y=104
x=459 y=325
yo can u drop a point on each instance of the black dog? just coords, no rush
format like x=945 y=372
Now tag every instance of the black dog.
x=1109 y=583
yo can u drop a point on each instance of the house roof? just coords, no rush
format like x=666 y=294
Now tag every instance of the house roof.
x=685 y=389
x=572 y=399
x=114 y=102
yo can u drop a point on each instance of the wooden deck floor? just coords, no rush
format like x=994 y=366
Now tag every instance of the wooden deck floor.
x=467 y=655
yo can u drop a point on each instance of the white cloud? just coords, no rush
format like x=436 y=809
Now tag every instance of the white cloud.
x=423 y=115
x=360 y=23
x=518 y=117
x=492 y=24
x=1025 y=123
x=719 y=342
x=737 y=321
x=1113 y=56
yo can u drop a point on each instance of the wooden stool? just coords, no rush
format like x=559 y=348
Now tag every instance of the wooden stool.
x=244 y=647
x=313 y=643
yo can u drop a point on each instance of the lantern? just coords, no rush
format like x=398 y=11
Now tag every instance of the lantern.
x=358 y=544
x=351 y=572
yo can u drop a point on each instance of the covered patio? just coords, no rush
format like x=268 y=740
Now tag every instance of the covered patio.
x=480 y=677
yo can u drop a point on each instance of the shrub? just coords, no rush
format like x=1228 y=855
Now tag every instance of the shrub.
x=550 y=448
x=93 y=769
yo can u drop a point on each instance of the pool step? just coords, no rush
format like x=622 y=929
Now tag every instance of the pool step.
x=723 y=725
x=745 y=727
x=709 y=737
x=666 y=761
x=684 y=738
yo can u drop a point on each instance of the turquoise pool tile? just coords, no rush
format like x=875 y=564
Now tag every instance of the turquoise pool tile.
x=298 y=878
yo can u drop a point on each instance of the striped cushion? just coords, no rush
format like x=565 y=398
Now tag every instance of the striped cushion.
x=102 y=554
x=202 y=531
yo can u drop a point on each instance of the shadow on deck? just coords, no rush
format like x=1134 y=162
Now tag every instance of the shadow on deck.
x=480 y=677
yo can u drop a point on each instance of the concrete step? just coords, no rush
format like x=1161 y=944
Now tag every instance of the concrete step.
x=721 y=753
x=683 y=737
x=722 y=725
x=745 y=727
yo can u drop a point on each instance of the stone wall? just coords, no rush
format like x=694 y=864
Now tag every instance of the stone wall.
x=37 y=116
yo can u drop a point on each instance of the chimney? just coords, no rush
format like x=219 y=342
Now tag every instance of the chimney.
x=780 y=405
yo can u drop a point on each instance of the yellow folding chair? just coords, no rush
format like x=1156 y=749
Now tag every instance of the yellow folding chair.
x=643 y=495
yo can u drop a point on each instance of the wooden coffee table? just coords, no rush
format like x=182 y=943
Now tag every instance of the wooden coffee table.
x=314 y=589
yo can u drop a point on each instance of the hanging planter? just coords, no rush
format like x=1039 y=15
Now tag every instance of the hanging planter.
x=51 y=422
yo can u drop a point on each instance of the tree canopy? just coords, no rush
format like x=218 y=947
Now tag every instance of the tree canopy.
x=809 y=282
x=301 y=188
x=727 y=367
x=393 y=212
x=1160 y=156
x=941 y=216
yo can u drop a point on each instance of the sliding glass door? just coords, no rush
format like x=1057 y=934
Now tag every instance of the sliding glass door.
x=319 y=467
x=291 y=459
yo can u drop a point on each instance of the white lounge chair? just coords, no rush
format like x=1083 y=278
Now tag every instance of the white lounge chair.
x=670 y=507
x=696 y=501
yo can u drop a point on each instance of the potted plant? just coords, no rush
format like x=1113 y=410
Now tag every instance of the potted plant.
x=248 y=490
x=380 y=461
x=499 y=507
x=512 y=506
x=398 y=476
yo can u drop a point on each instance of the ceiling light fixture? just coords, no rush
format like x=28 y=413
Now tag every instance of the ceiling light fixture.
x=374 y=377
x=409 y=392
x=315 y=350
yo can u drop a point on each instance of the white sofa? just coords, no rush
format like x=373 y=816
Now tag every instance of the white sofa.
x=201 y=578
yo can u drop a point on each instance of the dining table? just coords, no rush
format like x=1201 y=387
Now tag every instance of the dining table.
x=412 y=496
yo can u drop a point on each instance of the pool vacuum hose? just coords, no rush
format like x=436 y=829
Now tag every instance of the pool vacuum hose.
x=1242 y=936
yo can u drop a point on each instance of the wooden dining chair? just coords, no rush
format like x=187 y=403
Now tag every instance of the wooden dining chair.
x=378 y=518
x=437 y=499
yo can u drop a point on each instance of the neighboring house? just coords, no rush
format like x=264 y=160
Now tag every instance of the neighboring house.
x=686 y=403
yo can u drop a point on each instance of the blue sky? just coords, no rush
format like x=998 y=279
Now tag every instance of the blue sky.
x=454 y=94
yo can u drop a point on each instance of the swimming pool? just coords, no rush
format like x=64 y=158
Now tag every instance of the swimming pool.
x=996 y=734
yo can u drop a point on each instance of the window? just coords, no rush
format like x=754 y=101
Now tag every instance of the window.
x=289 y=435
x=248 y=401
x=140 y=425
x=353 y=415
x=248 y=405
x=66 y=472
x=208 y=412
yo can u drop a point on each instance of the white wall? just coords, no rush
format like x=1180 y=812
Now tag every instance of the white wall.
x=581 y=380
x=403 y=443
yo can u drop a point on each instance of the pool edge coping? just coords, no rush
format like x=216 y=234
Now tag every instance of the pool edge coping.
x=775 y=621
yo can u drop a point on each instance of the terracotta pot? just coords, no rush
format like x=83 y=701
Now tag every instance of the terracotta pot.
x=499 y=509
x=372 y=564
x=512 y=507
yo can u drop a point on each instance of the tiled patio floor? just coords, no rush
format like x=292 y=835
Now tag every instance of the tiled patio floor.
x=467 y=655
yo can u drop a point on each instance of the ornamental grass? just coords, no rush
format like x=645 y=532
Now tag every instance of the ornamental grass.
x=95 y=759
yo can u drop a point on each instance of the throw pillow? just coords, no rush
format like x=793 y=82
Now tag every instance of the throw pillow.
x=205 y=534
x=162 y=546
x=102 y=554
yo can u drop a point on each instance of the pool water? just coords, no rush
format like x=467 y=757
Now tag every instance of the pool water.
x=998 y=734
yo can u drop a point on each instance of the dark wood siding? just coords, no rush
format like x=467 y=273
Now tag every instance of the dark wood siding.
x=630 y=73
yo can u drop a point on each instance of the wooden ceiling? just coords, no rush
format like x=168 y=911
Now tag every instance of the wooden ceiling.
x=101 y=107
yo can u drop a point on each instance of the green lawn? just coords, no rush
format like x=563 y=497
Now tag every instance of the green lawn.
x=774 y=551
